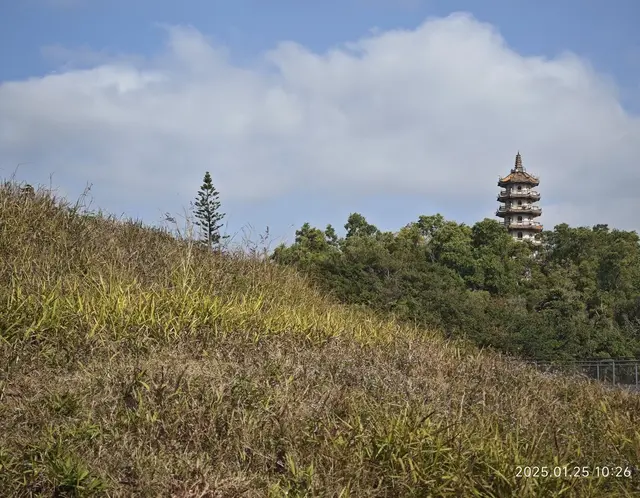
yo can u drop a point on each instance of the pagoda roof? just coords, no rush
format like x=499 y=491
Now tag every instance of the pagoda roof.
x=518 y=175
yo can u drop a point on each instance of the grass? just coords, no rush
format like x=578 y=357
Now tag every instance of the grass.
x=134 y=363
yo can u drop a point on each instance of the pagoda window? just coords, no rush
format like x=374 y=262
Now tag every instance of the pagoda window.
x=519 y=235
x=519 y=218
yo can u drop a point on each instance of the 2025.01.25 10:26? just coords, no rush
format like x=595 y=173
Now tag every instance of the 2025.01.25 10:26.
x=566 y=471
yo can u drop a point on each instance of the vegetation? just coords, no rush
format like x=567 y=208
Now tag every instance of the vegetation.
x=136 y=363
x=207 y=213
x=577 y=296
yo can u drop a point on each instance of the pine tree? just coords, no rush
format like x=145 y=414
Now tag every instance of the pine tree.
x=207 y=213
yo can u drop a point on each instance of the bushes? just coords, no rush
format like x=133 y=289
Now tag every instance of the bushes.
x=576 y=299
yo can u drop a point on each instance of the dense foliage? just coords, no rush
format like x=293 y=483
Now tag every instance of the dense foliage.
x=576 y=296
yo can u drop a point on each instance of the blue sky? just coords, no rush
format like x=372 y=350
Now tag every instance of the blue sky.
x=177 y=53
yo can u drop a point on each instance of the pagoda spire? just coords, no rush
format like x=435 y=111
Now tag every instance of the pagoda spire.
x=519 y=166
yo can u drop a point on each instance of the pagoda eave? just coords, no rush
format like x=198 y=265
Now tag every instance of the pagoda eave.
x=517 y=211
x=507 y=183
x=530 y=196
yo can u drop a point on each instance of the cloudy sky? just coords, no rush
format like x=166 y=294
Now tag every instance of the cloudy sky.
x=311 y=110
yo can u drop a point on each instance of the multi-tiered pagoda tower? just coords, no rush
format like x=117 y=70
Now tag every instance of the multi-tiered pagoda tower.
x=518 y=196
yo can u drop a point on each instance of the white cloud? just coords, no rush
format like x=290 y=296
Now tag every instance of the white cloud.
x=437 y=111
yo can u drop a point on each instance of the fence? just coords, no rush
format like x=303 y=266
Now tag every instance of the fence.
x=623 y=373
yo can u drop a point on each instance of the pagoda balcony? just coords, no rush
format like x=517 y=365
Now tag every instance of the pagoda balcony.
x=532 y=195
x=529 y=209
x=524 y=225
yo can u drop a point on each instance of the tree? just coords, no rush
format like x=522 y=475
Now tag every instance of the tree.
x=357 y=226
x=331 y=236
x=207 y=213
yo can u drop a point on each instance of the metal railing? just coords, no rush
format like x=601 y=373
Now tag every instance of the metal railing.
x=617 y=372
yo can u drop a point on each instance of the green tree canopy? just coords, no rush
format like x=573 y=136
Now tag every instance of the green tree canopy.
x=575 y=296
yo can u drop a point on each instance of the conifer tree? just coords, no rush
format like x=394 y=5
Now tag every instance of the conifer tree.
x=207 y=213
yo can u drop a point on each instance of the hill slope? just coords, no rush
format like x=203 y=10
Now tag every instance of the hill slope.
x=136 y=364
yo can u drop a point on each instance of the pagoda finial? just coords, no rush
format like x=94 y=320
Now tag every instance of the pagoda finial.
x=519 y=162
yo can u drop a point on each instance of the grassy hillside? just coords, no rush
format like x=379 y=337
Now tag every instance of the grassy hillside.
x=134 y=364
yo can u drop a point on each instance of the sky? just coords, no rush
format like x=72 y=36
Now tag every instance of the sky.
x=307 y=111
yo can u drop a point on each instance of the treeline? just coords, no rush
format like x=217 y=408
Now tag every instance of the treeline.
x=576 y=296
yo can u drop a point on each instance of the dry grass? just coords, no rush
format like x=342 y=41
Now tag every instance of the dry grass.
x=136 y=364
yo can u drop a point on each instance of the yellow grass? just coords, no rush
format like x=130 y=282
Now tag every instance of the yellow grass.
x=136 y=364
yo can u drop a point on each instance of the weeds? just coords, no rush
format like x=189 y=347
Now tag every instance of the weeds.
x=135 y=363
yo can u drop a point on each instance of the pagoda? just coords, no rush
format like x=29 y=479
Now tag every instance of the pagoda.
x=518 y=198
